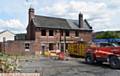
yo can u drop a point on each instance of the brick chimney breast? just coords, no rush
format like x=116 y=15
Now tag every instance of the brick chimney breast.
x=31 y=13
x=80 y=20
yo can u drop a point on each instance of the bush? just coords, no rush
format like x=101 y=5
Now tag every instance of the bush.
x=6 y=63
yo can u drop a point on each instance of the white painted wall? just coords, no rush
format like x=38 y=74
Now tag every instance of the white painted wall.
x=8 y=36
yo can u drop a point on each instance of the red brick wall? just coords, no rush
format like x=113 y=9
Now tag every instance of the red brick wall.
x=17 y=47
x=31 y=32
x=87 y=36
x=36 y=45
x=39 y=40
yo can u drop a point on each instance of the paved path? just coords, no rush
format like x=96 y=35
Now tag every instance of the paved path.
x=72 y=67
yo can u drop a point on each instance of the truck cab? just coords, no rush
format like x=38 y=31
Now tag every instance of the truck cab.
x=103 y=52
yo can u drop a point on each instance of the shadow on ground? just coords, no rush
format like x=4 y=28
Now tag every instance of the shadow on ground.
x=104 y=65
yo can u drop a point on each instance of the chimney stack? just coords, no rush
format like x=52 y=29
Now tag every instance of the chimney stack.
x=31 y=14
x=80 y=20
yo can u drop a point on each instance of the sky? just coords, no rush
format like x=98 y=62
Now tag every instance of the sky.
x=102 y=15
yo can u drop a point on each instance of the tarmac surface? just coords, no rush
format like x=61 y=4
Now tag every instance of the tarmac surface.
x=71 y=67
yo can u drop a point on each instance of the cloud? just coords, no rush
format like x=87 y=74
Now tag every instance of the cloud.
x=12 y=24
x=62 y=8
x=99 y=14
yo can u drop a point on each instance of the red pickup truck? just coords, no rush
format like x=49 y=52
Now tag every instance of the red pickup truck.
x=103 y=52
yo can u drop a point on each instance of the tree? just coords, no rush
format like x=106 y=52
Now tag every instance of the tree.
x=107 y=34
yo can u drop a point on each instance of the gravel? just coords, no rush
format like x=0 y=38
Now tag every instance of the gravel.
x=73 y=67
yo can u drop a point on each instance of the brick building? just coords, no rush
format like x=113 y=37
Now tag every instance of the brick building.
x=50 y=33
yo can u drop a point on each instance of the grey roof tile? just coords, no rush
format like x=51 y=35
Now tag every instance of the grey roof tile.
x=50 y=22
x=72 y=24
x=59 y=23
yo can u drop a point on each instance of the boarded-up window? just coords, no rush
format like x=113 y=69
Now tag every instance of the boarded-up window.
x=27 y=46
x=51 y=32
x=43 y=32
x=51 y=46
x=76 y=33
x=67 y=33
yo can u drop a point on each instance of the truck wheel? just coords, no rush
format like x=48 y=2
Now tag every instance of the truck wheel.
x=114 y=62
x=89 y=59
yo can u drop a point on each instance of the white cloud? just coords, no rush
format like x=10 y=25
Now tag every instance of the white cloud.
x=115 y=2
x=99 y=14
x=62 y=8
x=12 y=24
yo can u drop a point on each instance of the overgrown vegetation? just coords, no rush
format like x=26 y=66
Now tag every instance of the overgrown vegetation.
x=7 y=64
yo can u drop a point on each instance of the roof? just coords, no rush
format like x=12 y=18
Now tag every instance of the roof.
x=58 y=23
x=6 y=31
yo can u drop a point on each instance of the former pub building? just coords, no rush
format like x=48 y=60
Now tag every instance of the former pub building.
x=50 y=33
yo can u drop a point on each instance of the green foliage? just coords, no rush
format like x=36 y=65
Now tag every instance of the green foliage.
x=108 y=34
x=6 y=63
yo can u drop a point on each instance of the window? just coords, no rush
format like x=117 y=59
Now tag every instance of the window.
x=27 y=46
x=51 y=46
x=66 y=45
x=76 y=33
x=67 y=33
x=62 y=47
x=43 y=32
x=50 y=32
x=61 y=33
